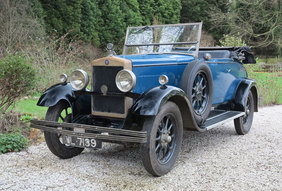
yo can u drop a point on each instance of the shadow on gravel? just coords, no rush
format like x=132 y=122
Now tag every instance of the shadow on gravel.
x=192 y=142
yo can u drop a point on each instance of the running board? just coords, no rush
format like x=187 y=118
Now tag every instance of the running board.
x=218 y=117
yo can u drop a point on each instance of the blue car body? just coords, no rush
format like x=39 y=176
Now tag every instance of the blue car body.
x=226 y=73
x=161 y=84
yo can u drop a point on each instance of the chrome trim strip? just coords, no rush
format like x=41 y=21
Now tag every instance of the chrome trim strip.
x=155 y=44
x=180 y=24
x=209 y=62
x=168 y=64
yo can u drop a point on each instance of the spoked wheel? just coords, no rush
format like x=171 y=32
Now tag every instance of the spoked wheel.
x=60 y=113
x=198 y=85
x=164 y=140
x=200 y=93
x=243 y=124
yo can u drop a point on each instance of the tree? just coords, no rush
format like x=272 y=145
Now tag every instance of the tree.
x=113 y=29
x=257 y=22
x=62 y=16
x=147 y=11
x=91 y=21
x=132 y=16
x=198 y=10
x=37 y=11
x=167 y=11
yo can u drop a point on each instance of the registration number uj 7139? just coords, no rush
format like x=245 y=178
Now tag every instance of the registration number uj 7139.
x=81 y=142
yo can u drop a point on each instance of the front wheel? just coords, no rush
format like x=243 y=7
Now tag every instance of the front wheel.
x=164 y=138
x=59 y=113
x=243 y=124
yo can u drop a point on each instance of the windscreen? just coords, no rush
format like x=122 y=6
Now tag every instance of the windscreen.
x=183 y=38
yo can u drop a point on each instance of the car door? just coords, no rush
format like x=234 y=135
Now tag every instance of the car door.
x=227 y=75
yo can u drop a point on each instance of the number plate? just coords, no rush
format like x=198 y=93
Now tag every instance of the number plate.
x=81 y=142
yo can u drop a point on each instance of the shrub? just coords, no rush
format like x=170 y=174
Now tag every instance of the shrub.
x=16 y=79
x=53 y=56
x=12 y=142
x=231 y=41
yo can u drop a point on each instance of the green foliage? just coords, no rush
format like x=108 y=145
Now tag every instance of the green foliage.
x=62 y=16
x=257 y=22
x=147 y=11
x=26 y=117
x=113 y=29
x=231 y=41
x=100 y=22
x=36 y=11
x=12 y=142
x=167 y=11
x=198 y=10
x=17 y=77
x=91 y=21
x=132 y=16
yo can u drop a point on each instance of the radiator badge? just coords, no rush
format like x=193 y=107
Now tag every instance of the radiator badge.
x=107 y=62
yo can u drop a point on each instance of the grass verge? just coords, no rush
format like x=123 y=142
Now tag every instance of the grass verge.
x=28 y=107
x=269 y=85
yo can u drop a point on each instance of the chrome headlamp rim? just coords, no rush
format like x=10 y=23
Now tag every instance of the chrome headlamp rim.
x=63 y=78
x=133 y=79
x=85 y=79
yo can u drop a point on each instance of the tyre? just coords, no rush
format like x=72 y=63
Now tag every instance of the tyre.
x=60 y=113
x=197 y=83
x=164 y=138
x=243 y=124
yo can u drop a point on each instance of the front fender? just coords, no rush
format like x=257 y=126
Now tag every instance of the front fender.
x=246 y=86
x=56 y=93
x=151 y=101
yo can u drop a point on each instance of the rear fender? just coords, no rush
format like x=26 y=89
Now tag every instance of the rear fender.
x=150 y=102
x=246 y=86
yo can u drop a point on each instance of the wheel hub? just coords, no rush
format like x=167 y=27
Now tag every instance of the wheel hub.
x=165 y=138
x=199 y=91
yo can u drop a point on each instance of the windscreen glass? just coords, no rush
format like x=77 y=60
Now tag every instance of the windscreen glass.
x=162 y=39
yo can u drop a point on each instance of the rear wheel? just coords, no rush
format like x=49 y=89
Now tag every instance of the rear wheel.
x=164 y=140
x=243 y=124
x=59 y=113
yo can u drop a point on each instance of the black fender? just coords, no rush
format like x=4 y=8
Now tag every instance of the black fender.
x=246 y=86
x=150 y=102
x=56 y=93
x=64 y=92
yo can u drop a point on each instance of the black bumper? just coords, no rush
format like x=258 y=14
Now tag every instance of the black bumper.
x=90 y=131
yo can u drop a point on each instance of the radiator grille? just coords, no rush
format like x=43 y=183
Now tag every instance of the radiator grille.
x=105 y=75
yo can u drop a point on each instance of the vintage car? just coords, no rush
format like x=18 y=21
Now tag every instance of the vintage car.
x=161 y=85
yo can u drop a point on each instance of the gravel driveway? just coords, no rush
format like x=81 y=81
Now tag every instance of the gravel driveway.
x=215 y=160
